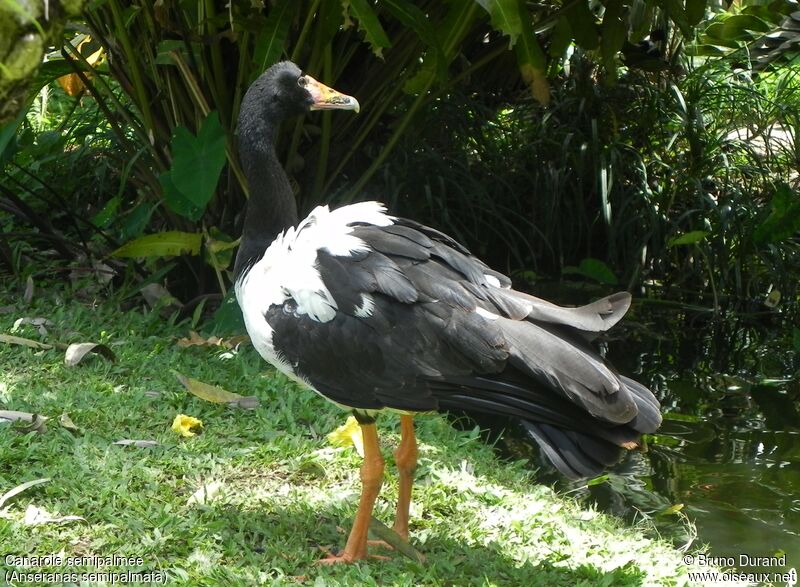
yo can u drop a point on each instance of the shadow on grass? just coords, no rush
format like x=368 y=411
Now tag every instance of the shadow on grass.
x=285 y=543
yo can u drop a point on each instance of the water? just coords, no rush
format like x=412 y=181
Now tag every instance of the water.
x=729 y=449
x=724 y=469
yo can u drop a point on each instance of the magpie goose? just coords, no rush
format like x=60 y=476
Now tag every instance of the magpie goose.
x=375 y=312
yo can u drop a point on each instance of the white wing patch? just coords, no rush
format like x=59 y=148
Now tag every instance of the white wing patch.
x=367 y=306
x=289 y=268
x=330 y=230
x=492 y=280
x=486 y=314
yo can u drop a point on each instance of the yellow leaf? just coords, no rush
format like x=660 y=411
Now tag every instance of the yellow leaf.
x=183 y=425
x=671 y=510
x=212 y=393
x=347 y=434
x=537 y=82
x=71 y=83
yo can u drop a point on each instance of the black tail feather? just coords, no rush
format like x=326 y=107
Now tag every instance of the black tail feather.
x=648 y=418
x=577 y=443
x=574 y=454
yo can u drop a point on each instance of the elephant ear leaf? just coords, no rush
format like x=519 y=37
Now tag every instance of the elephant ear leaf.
x=197 y=162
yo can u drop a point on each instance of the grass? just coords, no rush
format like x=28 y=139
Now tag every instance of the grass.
x=284 y=489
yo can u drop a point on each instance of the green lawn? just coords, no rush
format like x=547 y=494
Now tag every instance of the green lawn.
x=284 y=491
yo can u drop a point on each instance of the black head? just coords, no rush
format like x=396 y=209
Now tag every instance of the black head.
x=283 y=91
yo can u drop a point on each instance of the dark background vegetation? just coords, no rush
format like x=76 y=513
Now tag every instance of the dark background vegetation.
x=646 y=145
x=583 y=147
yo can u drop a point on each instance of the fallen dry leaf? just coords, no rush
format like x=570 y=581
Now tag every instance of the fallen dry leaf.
x=156 y=294
x=103 y=272
x=235 y=341
x=39 y=323
x=249 y=402
x=394 y=540
x=35 y=516
x=77 y=351
x=137 y=443
x=195 y=339
x=34 y=422
x=67 y=423
x=205 y=494
x=19 y=489
x=34 y=344
x=217 y=395
x=184 y=425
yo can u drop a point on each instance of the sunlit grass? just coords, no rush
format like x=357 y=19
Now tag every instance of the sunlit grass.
x=251 y=499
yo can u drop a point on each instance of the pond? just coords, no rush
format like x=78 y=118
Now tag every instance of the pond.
x=729 y=448
x=724 y=469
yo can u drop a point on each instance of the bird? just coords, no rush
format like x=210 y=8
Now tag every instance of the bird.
x=378 y=313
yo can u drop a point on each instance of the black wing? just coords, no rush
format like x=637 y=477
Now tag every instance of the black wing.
x=445 y=331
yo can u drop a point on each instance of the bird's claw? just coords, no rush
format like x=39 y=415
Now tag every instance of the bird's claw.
x=347 y=557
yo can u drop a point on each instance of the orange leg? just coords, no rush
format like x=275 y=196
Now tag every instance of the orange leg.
x=406 y=458
x=371 y=480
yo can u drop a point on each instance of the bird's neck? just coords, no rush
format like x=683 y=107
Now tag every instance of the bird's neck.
x=271 y=207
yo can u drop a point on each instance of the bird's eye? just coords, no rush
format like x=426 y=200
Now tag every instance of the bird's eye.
x=302 y=82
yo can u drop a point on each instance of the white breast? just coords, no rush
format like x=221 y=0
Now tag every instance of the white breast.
x=288 y=270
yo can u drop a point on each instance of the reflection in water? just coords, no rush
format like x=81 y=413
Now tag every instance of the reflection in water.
x=729 y=449
x=730 y=445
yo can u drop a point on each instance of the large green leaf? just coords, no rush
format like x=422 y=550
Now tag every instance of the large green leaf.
x=677 y=13
x=7 y=134
x=784 y=220
x=593 y=269
x=583 y=24
x=368 y=24
x=505 y=17
x=738 y=27
x=196 y=166
x=161 y=244
x=450 y=33
x=695 y=11
x=512 y=18
x=136 y=219
x=614 y=33
x=561 y=38
x=689 y=238
x=413 y=18
x=272 y=38
x=50 y=71
x=228 y=319
x=530 y=57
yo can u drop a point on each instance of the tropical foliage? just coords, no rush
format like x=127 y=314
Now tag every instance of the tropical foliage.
x=574 y=137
